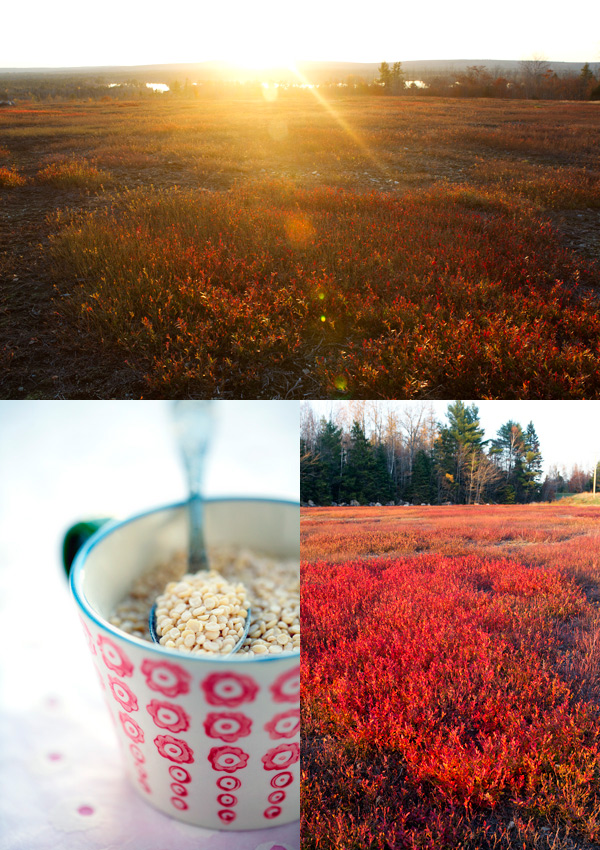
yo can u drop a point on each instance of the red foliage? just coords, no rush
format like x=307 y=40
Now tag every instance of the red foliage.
x=449 y=292
x=436 y=706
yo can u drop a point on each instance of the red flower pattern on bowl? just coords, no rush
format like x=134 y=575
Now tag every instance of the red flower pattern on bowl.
x=229 y=689
x=284 y=725
x=287 y=687
x=131 y=728
x=227 y=816
x=180 y=774
x=174 y=749
x=179 y=789
x=166 y=715
x=137 y=754
x=123 y=694
x=282 y=780
x=228 y=759
x=227 y=800
x=166 y=678
x=227 y=726
x=88 y=635
x=281 y=757
x=142 y=773
x=114 y=657
x=229 y=783
x=272 y=812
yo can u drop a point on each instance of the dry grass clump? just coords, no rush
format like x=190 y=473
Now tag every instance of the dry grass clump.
x=74 y=174
x=564 y=187
x=10 y=177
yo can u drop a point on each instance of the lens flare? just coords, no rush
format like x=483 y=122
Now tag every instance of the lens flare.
x=299 y=231
x=270 y=92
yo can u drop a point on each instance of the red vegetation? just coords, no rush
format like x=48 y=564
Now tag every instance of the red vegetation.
x=437 y=292
x=451 y=700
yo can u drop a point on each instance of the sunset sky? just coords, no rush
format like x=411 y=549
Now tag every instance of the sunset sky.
x=121 y=32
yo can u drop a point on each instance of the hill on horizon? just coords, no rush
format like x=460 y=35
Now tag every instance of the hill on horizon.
x=314 y=72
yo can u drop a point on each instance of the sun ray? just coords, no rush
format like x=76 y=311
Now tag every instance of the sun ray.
x=381 y=167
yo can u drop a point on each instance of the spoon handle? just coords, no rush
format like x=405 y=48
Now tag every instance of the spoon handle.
x=193 y=426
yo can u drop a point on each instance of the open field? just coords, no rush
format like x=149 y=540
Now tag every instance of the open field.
x=451 y=678
x=366 y=247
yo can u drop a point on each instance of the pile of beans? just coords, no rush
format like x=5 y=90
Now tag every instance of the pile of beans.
x=203 y=614
x=272 y=590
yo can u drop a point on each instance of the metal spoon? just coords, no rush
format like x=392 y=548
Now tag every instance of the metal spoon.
x=193 y=421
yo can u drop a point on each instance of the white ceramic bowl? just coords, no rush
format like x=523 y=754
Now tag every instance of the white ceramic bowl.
x=213 y=742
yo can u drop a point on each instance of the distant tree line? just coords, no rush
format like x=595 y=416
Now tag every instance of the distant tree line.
x=37 y=87
x=566 y=482
x=379 y=455
x=533 y=79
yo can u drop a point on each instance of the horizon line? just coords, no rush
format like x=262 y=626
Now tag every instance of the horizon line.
x=232 y=63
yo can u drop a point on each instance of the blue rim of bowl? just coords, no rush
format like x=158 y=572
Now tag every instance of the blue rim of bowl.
x=76 y=577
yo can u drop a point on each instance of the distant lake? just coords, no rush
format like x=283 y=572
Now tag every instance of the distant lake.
x=157 y=86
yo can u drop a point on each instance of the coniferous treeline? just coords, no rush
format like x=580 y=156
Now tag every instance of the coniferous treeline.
x=388 y=455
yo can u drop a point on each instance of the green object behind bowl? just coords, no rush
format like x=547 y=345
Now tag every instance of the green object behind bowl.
x=76 y=536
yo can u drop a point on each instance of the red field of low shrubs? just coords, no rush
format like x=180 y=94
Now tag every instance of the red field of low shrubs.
x=450 y=682
x=208 y=289
x=367 y=247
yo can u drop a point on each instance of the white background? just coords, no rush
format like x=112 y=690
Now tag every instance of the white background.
x=61 y=462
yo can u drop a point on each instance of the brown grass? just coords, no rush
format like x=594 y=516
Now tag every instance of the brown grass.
x=74 y=174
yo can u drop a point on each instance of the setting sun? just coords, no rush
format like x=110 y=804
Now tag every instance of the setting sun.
x=261 y=61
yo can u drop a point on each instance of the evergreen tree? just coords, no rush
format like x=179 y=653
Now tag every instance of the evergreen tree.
x=397 y=75
x=366 y=477
x=423 y=488
x=586 y=81
x=309 y=473
x=330 y=455
x=518 y=455
x=404 y=458
x=321 y=468
x=392 y=78
x=457 y=442
x=507 y=451
x=357 y=483
x=385 y=75
x=384 y=485
x=532 y=464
